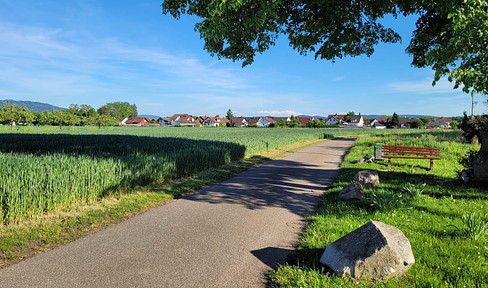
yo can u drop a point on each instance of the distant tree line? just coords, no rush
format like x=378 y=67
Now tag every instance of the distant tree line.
x=76 y=115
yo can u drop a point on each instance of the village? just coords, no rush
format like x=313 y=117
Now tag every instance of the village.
x=336 y=120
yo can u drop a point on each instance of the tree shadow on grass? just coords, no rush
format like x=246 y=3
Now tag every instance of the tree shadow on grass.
x=437 y=187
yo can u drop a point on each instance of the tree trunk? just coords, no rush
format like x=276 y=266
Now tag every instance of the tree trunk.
x=480 y=168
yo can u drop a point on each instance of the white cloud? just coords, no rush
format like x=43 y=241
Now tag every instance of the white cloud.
x=278 y=113
x=38 y=62
x=339 y=78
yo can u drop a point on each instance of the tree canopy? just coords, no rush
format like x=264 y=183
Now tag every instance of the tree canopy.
x=12 y=113
x=118 y=109
x=395 y=120
x=450 y=36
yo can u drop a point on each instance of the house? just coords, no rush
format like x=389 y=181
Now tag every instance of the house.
x=378 y=125
x=136 y=121
x=183 y=120
x=164 y=121
x=202 y=119
x=354 y=121
x=441 y=122
x=404 y=122
x=239 y=122
x=252 y=121
x=376 y=120
x=215 y=121
x=122 y=120
x=304 y=120
x=334 y=119
x=264 y=122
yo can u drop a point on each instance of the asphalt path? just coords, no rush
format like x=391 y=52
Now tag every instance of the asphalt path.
x=227 y=235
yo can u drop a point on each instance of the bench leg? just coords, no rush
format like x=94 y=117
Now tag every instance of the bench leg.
x=389 y=162
x=431 y=164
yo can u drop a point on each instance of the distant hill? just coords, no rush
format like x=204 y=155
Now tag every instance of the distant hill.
x=148 y=116
x=401 y=115
x=371 y=116
x=34 y=106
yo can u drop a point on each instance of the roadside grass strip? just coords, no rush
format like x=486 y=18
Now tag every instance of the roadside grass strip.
x=444 y=220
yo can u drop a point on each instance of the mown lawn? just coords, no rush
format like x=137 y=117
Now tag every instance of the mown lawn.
x=432 y=221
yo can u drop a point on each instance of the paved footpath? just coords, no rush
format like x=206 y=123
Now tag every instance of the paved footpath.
x=227 y=235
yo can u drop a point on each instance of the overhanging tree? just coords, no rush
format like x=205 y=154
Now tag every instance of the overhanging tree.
x=451 y=36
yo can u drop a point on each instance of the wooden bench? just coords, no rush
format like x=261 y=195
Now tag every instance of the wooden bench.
x=392 y=151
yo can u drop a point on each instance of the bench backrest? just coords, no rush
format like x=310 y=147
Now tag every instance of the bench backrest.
x=411 y=150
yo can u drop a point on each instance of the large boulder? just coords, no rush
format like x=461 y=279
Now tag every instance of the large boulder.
x=352 y=191
x=374 y=250
x=367 y=178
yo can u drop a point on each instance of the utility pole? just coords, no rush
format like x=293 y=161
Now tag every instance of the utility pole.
x=472 y=104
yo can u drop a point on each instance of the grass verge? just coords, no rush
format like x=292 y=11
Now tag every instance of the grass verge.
x=34 y=236
x=435 y=217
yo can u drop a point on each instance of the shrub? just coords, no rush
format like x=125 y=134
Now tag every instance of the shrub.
x=386 y=200
x=474 y=226
x=468 y=159
x=413 y=189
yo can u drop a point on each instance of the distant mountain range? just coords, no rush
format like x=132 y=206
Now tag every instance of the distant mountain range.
x=34 y=106
x=149 y=116
x=372 y=116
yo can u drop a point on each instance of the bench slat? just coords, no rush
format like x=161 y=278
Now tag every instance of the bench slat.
x=411 y=157
x=399 y=152
x=410 y=149
x=424 y=148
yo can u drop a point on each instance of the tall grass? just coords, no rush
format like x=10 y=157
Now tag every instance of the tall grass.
x=40 y=173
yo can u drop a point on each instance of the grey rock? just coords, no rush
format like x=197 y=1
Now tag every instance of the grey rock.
x=366 y=159
x=367 y=178
x=352 y=191
x=374 y=250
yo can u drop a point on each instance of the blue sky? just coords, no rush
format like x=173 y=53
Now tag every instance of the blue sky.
x=94 y=52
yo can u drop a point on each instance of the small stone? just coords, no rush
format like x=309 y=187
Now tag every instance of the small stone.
x=352 y=191
x=367 y=178
x=374 y=250
x=366 y=159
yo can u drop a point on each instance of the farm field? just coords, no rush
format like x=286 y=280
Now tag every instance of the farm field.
x=439 y=215
x=43 y=169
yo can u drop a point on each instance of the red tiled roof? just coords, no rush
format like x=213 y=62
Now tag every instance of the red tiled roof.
x=136 y=120
x=304 y=120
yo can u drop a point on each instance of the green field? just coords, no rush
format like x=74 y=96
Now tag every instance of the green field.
x=84 y=178
x=446 y=250
x=43 y=169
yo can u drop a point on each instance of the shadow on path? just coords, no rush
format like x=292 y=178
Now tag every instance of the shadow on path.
x=290 y=184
